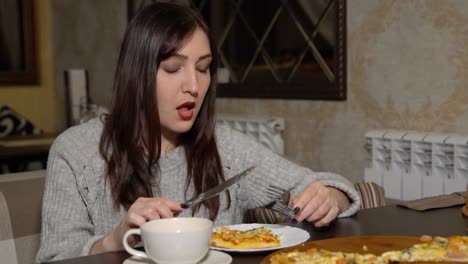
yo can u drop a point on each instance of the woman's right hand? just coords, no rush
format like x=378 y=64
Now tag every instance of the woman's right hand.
x=141 y=211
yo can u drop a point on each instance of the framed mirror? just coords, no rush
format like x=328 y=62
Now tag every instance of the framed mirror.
x=286 y=49
x=18 y=62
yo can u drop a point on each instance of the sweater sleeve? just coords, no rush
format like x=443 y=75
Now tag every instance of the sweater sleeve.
x=241 y=152
x=67 y=230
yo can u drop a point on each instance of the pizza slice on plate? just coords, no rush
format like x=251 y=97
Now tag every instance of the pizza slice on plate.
x=255 y=238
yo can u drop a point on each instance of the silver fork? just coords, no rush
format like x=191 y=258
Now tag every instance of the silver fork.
x=278 y=205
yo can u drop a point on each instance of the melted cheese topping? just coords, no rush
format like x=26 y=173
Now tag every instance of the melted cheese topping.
x=318 y=256
x=433 y=249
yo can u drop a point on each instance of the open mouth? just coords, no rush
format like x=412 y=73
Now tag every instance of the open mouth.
x=187 y=106
x=185 y=110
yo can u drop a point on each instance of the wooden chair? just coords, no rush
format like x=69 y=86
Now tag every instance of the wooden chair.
x=372 y=194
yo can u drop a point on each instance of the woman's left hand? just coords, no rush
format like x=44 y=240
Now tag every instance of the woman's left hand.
x=319 y=204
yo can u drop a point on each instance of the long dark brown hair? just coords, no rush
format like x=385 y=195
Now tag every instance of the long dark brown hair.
x=156 y=33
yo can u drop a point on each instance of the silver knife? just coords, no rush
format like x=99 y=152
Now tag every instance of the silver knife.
x=216 y=190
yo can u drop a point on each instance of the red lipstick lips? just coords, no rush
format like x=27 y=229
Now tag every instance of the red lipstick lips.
x=185 y=110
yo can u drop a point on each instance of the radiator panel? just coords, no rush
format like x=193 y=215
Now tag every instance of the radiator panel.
x=412 y=165
x=266 y=130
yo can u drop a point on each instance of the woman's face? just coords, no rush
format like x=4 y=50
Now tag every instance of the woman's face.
x=181 y=85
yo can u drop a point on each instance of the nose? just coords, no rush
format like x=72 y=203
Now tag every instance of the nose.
x=191 y=82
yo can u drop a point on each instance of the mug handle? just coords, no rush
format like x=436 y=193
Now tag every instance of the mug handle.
x=130 y=250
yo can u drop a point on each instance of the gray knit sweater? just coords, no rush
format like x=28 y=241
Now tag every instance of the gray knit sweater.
x=78 y=209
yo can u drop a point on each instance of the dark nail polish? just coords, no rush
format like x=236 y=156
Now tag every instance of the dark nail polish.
x=294 y=221
x=183 y=205
x=296 y=210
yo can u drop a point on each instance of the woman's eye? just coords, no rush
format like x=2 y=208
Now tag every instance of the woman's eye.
x=171 y=69
x=203 y=69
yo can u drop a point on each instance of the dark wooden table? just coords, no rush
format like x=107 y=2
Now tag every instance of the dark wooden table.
x=388 y=220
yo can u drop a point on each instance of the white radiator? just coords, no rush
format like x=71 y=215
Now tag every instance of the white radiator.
x=412 y=165
x=267 y=130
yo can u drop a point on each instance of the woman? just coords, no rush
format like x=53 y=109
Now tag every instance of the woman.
x=159 y=146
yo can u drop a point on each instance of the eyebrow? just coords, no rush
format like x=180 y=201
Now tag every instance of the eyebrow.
x=199 y=59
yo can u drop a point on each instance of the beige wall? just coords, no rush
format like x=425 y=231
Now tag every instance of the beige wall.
x=407 y=69
x=37 y=102
x=87 y=35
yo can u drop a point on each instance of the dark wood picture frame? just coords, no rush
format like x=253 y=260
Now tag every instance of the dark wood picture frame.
x=28 y=74
x=321 y=89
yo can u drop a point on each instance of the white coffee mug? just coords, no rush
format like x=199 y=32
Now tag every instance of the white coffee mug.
x=180 y=240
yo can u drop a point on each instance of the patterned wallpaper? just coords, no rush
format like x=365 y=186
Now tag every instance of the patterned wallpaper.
x=407 y=69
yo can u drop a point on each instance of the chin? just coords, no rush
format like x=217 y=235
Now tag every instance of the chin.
x=183 y=127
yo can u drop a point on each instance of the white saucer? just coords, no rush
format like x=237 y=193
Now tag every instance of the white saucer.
x=213 y=257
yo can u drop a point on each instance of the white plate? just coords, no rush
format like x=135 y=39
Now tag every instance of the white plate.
x=288 y=235
x=213 y=257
